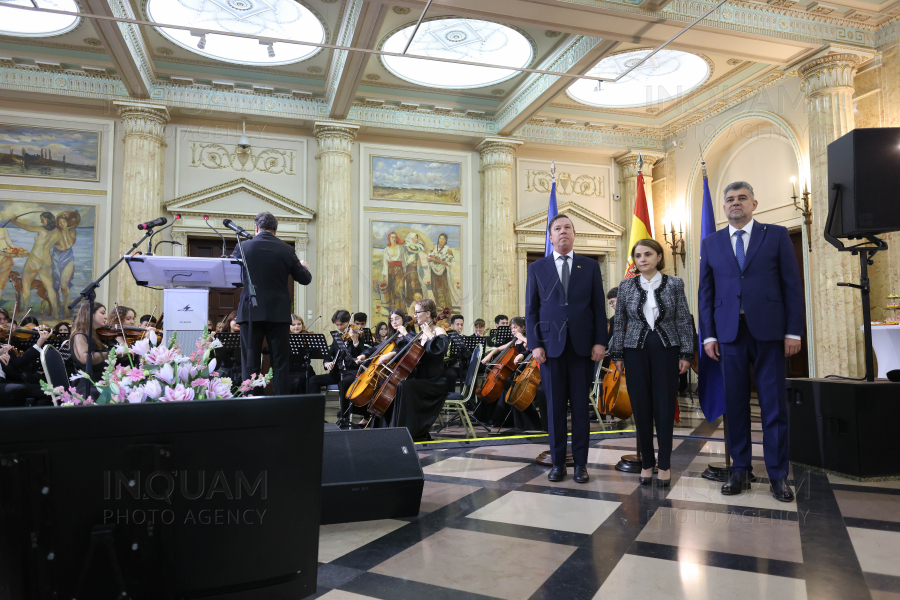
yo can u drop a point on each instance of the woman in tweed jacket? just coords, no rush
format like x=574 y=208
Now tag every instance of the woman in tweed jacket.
x=653 y=338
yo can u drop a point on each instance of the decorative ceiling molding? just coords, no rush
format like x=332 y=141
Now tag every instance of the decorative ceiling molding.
x=189 y=203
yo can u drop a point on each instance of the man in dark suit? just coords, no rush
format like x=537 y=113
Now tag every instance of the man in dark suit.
x=270 y=262
x=751 y=310
x=565 y=322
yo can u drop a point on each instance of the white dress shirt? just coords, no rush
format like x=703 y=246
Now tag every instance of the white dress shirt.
x=747 y=229
x=651 y=308
x=559 y=262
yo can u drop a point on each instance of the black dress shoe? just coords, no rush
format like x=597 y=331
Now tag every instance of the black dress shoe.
x=737 y=483
x=557 y=473
x=581 y=474
x=781 y=490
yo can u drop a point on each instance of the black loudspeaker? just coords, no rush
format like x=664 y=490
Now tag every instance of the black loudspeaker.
x=370 y=474
x=845 y=426
x=864 y=162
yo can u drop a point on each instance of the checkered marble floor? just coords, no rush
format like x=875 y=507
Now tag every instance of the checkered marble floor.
x=492 y=526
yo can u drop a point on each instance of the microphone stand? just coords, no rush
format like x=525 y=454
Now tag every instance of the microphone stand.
x=220 y=235
x=152 y=233
x=89 y=294
x=249 y=297
x=174 y=243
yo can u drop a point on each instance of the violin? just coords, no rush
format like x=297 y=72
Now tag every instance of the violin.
x=346 y=335
x=403 y=364
x=21 y=333
x=132 y=333
x=523 y=391
x=497 y=374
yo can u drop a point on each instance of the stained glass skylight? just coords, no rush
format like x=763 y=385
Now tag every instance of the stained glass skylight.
x=460 y=39
x=666 y=75
x=286 y=19
x=26 y=23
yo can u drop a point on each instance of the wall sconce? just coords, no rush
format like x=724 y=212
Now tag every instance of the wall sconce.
x=805 y=209
x=243 y=146
x=676 y=244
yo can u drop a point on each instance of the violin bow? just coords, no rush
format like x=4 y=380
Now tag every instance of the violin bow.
x=150 y=322
x=121 y=327
x=12 y=323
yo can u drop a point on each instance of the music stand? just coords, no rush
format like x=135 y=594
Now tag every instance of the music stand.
x=502 y=334
x=231 y=345
x=313 y=344
x=367 y=337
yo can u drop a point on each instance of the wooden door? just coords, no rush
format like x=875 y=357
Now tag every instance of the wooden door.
x=221 y=300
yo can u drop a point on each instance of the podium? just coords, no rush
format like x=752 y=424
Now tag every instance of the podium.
x=185 y=282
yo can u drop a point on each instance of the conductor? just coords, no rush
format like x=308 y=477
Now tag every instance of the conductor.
x=269 y=261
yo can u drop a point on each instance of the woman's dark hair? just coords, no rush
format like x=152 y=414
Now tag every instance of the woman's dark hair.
x=5 y=313
x=518 y=322
x=29 y=321
x=62 y=324
x=83 y=319
x=232 y=316
x=656 y=247
x=51 y=220
x=402 y=316
x=341 y=316
x=378 y=328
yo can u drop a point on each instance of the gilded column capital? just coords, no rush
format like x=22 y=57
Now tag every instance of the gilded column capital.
x=828 y=73
x=498 y=152
x=300 y=244
x=143 y=120
x=628 y=163
x=334 y=136
x=522 y=253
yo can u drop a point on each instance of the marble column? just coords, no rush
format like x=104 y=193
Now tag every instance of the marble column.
x=499 y=293
x=837 y=311
x=628 y=170
x=333 y=276
x=142 y=192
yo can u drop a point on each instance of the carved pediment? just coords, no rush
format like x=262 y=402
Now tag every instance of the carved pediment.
x=239 y=199
x=585 y=221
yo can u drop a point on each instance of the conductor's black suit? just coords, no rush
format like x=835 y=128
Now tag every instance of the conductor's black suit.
x=270 y=261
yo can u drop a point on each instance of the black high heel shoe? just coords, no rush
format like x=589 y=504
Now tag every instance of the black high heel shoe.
x=646 y=480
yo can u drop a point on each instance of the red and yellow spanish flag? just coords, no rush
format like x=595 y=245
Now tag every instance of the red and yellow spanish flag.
x=640 y=223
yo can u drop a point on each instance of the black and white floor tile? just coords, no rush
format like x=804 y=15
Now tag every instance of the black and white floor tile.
x=492 y=526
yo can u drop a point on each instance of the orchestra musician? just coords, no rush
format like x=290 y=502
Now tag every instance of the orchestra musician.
x=300 y=369
x=99 y=353
x=381 y=333
x=499 y=321
x=62 y=330
x=270 y=262
x=459 y=357
x=342 y=366
x=566 y=330
x=17 y=384
x=479 y=326
x=498 y=412
x=653 y=339
x=123 y=315
x=420 y=397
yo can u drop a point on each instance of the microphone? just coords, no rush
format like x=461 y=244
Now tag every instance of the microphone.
x=206 y=218
x=153 y=223
x=237 y=229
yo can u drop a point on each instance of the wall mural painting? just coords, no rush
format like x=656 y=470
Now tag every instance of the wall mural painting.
x=49 y=153
x=415 y=180
x=411 y=261
x=46 y=257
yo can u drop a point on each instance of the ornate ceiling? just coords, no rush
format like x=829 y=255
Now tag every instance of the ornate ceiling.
x=739 y=49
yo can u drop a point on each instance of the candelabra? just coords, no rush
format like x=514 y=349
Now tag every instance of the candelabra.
x=676 y=245
x=805 y=209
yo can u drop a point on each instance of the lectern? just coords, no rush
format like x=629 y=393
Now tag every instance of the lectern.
x=185 y=282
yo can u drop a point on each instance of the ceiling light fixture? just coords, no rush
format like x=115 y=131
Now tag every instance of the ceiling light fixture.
x=243 y=146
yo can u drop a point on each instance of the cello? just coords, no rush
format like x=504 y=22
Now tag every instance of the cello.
x=403 y=365
x=522 y=393
x=492 y=384
x=360 y=393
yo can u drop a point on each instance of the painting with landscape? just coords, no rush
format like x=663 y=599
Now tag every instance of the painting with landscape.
x=46 y=257
x=50 y=153
x=412 y=261
x=415 y=180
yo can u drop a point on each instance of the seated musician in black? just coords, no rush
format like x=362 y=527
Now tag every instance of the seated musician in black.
x=458 y=363
x=18 y=386
x=497 y=414
x=342 y=367
x=300 y=369
x=421 y=396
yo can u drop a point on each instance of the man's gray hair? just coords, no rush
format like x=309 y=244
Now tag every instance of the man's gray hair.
x=737 y=185
x=266 y=221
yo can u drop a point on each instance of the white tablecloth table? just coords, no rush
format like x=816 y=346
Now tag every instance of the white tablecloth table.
x=886 y=343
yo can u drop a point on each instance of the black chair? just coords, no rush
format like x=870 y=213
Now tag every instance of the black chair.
x=54 y=367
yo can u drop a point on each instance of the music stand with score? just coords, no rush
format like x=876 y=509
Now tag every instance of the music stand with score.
x=502 y=334
x=231 y=345
x=309 y=346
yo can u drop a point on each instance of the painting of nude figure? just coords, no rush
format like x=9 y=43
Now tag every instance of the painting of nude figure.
x=46 y=257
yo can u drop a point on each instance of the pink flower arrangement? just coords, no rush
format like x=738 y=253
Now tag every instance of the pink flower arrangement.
x=159 y=374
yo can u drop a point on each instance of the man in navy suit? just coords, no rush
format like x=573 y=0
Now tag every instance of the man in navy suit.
x=565 y=320
x=751 y=309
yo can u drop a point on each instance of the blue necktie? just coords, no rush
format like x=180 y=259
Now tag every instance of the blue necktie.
x=739 y=248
